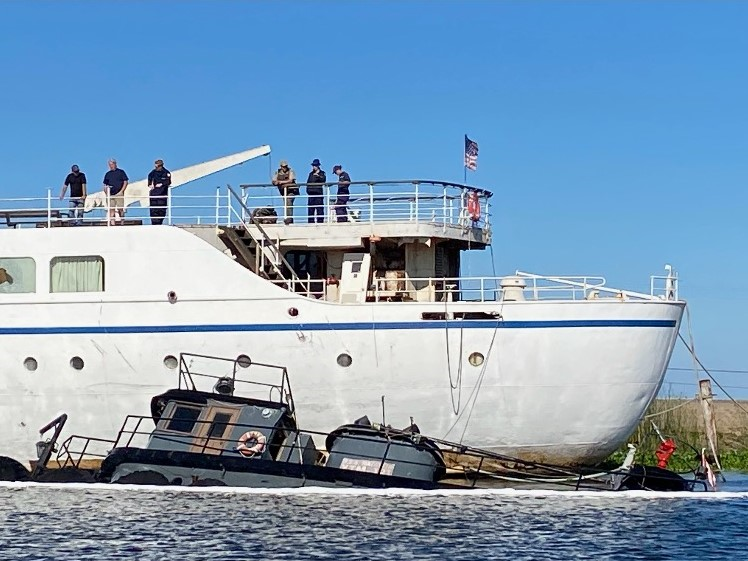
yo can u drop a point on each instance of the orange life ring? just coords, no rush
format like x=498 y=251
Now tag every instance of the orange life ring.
x=473 y=206
x=251 y=436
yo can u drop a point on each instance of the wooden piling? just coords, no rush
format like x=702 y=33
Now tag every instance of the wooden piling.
x=707 y=407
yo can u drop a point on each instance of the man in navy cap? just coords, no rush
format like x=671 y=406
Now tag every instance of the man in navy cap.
x=314 y=193
x=76 y=180
x=344 y=181
x=158 y=183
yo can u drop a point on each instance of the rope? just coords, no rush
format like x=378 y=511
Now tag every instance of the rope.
x=713 y=379
x=712 y=445
x=692 y=348
x=478 y=383
x=458 y=384
x=651 y=415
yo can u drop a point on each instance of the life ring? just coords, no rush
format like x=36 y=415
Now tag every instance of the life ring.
x=251 y=436
x=473 y=206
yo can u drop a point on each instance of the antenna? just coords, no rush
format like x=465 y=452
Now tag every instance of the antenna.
x=384 y=424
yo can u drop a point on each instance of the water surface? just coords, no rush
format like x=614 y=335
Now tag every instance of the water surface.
x=99 y=522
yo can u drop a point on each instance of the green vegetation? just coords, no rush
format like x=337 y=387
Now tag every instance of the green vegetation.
x=682 y=420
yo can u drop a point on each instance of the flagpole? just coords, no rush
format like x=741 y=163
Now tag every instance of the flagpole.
x=464 y=166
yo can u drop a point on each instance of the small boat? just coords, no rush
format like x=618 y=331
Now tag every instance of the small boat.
x=215 y=437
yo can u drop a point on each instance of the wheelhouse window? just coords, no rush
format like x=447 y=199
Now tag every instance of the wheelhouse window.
x=218 y=425
x=17 y=275
x=77 y=274
x=182 y=419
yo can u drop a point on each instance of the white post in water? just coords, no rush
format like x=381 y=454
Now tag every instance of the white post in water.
x=707 y=407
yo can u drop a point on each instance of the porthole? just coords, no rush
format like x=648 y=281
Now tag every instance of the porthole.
x=77 y=363
x=293 y=312
x=170 y=361
x=476 y=359
x=244 y=361
x=172 y=297
x=344 y=360
x=30 y=364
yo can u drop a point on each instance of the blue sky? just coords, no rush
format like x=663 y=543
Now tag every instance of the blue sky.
x=614 y=134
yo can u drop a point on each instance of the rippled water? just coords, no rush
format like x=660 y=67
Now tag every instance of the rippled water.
x=96 y=522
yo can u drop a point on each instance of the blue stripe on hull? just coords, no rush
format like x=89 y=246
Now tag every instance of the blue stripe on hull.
x=357 y=326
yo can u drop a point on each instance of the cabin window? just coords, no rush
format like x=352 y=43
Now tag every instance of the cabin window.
x=306 y=264
x=83 y=273
x=218 y=425
x=183 y=419
x=17 y=275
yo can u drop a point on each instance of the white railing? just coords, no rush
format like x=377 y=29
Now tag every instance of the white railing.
x=51 y=211
x=531 y=287
x=477 y=289
x=482 y=289
x=413 y=201
x=311 y=288
x=664 y=287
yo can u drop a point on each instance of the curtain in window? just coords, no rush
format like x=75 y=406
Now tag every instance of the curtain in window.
x=77 y=274
x=17 y=274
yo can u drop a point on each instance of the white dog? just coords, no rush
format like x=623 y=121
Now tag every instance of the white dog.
x=137 y=192
x=94 y=201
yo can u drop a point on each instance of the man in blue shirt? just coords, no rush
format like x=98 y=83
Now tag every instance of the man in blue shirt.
x=344 y=181
x=158 y=182
x=115 y=183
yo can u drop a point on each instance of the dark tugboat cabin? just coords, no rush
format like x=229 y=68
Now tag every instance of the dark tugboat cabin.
x=220 y=438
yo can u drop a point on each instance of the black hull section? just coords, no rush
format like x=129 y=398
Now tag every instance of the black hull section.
x=240 y=472
x=652 y=478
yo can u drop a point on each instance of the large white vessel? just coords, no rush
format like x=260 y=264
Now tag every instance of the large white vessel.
x=92 y=318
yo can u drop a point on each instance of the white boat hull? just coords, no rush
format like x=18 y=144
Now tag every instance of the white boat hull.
x=562 y=381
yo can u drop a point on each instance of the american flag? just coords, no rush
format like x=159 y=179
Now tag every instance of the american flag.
x=471 y=154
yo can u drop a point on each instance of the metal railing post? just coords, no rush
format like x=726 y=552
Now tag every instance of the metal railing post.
x=49 y=208
x=168 y=206
x=229 y=208
x=326 y=191
x=218 y=203
x=444 y=204
x=417 y=196
x=371 y=203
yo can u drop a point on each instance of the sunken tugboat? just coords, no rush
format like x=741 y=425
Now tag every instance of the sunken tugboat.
x=214 y=437
x=217 y=438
